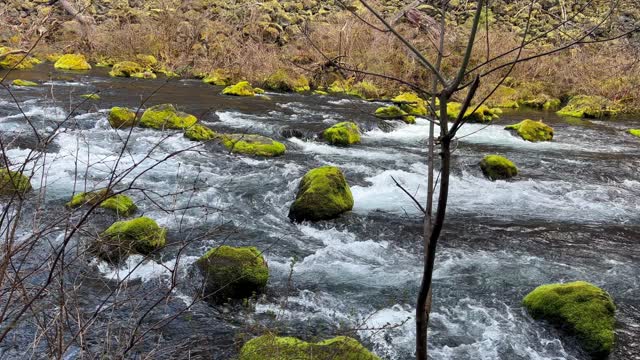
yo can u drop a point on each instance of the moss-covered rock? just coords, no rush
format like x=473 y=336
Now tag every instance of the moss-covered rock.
x=497 y=167
x=542 y=101
x=166 y=116
x=120 y=117
x=580 y=307
x=94 y=97
x=342 y=134
x=121 y=204
x=233 y=272
x=18 y=82
x=88 y=198
x=634 y=132
x=13 y=182
x=72 y=62
x=592 y=107
x=16 y=61
x=411 y=103
x=282 y=80
x=483 y=114
x=219 y=77
x=126 y=69
x=390 y=112
x=243 y=88
x=141 y=235
x=147 y=61
x=199 y=132
x=365 y=90
x=323 y=194
x=504 y=97
x=250 y=144
x=271 y=347
x=144 y=75
x=533 y=131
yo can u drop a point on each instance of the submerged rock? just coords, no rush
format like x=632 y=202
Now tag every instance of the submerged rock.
x=497 y=167
x=13 y=182
x=580 y=307
x=634 y=132
x=199 y=132
x=233 y=272
x=18 y=82
x=281 y=80
x=592 y=107
x=323 y=194
x=533 y=131
x=342 y=134
x=250 y=144
x=411 y=103
x=243 y=88
x=271 y=347
x=141 y=236
x=126 y=69
x=166 y=116
x=72 y=62
x=121 y=204
x=121 y=117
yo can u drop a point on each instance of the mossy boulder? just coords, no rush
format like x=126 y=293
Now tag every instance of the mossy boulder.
x=250 y=144
x=13 y=182
x=120 y=117
x=592 y=107
x=390 y=112
x=121 y=204
x=282 y=80
x=147 y=61
x=323 y=194
x=18 y=82
x=483 y=114
x=16 y=61
x=233 y=272
x=497 y=167
x=504 y=97
x=582 y=308
x=533 y=131
x=218 y=77
x=411 y=103
x=342 y=134
x=94 y=97
x=271 y=347
x=634 y=132
x=365 y=90
x=166 y=116
x=199 y=132
x=140 y=236
x=542 y=101
x=243 y=88
x=72 y=62
x=126 y=69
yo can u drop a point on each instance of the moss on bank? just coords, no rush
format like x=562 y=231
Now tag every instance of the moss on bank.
x=271 y=347
x=282 y=80
x=592 y=107
x=72 y=62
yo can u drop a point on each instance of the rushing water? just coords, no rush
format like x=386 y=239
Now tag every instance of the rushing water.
x=573 y=213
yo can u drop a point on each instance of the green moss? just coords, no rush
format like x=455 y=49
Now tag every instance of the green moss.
x=88 y=198
x=342 y=134
x=90 y=96
x=323 y=194
x=218 y=77
x=53 y=57
x=147 y=61
x=250 y=144
x=411 y=103
x=121 y=117
x=18 y=82
x=390 y=112
x=243 y=88
x=341 y=86
x=584 y=309
x=144 y=75
x=165 y=116
x=552 y=104
x=141 y=235
x=365 y=90
x=13 y=182
x=504 y=97
x=233 y=272
x=258 y=91
x=282 y=80
x=121 y=204
x=533 y=131
x=634 y=132
x=483 y=114
x=271 y=347
x=541 y=101
x=126 y=69
x=409 y=119
x=497 y=167
x=592 y=107
x=199 y=132
x=17 y=61
x=72 y=62
x=320 y=92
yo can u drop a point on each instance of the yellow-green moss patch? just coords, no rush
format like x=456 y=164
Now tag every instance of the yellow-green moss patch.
x=323 y=194
x=141 y=235
x=243 y=88
x=13 y=182
x=126 y=69
x=18 y=82
x=121 y=204
x=411 y=103
x=533 y=131
x=592 y=107
x=271 y=347
x=199 y=132
x=504 y=97
x=72 y=62
x=166 y=116
x=634 y=132
x=250 y=144
x=342 y=134
x=497 y=167
x=17 y=61
x=144 y=75
x=220 y=77
x=482 y=114
x=282 y=80
x=90 y=96
x=121 y=117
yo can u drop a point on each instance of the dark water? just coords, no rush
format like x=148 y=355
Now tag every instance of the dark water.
x=573 y=213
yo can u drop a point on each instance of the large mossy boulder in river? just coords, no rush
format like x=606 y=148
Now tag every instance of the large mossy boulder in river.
x=140 y=236
x=233 y=272
x=72 y=62
x=166 y=116
x=533 y=131
x=342 y=134
x=592 y=107
x=249 y=144
x=497 y=167
x=583 y=309
x=271 y=347
x=121 y=204
x=323 y=194
x=13 y=182
x=120 y=117
x=411 y=103
x=243 y=88
x=126 y=69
